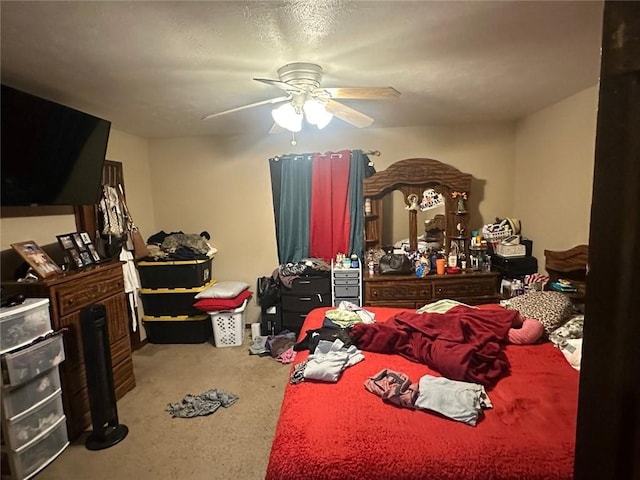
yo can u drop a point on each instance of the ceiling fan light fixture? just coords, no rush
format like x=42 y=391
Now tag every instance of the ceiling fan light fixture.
x=287 y=117
x=316 y=113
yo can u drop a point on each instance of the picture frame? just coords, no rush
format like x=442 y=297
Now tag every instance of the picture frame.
x=79 y=249
x=38 y=260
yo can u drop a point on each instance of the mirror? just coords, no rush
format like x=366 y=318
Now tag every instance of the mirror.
x=430 y=220
x=392 y=191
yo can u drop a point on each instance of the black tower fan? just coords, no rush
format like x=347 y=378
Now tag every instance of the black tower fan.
x=102 y=398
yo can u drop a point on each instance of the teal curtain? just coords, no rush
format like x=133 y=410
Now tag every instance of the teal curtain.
x=295 y=207
x=357 y=173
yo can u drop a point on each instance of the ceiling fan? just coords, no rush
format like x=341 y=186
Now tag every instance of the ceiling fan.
x=306 y=98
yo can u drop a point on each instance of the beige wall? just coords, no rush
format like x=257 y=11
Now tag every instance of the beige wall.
x=553 y=179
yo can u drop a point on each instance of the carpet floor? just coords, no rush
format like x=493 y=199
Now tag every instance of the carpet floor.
x=231 y=443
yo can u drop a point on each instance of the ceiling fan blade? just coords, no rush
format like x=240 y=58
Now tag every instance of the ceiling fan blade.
x=280 y=84
x=348 y=114
x=251 y=105
x=275 y=128
x=364 y=93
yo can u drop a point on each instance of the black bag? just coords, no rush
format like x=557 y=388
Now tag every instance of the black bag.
x=268 y=292
x=395 y=264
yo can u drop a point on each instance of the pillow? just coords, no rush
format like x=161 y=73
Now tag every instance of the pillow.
x=223 y=290
x=218 y=304
x=552 y=309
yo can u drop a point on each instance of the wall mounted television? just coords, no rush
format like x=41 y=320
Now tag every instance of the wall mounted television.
x=51 y=154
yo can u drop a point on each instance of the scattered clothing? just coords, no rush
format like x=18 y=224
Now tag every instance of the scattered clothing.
x=310 y=341
x=297 y=376
x=200 y=405
x=329 y=360
x=460 y=401
x=288 y=356
x=393 y=387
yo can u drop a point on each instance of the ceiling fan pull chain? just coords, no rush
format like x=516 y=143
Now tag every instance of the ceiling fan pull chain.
x=293 y=138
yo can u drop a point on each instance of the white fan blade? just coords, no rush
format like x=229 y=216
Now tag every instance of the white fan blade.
x=275 y=128
x=348 y=114
x=280 y=84
x=251 y=105
x=363 y=93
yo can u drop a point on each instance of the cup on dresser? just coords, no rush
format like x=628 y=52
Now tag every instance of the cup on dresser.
x=440 y=266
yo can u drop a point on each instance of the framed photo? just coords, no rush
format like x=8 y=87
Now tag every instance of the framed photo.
x=41 y=263
x=75 y=256
x=79 y=249
x=79 y=242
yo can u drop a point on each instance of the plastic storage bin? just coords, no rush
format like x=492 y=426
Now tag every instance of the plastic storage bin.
x=22 y=398
x=21 y=324
x=176 y=274
x=172 y=302
x=228 y=326
x=38 y=453
x=23 y=365
x=180 y=329
x=36 y=420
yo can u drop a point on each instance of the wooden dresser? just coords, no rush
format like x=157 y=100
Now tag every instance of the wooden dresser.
x=68 y=294
x=409 y=291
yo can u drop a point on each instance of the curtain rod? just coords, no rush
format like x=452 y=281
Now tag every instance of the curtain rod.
x=310 y=156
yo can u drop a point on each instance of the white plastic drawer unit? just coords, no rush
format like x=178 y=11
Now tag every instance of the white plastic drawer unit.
x=22 y=324
x=21 y=366
x=347 y=290
x=20 y=399
x=38 y=453
x=36 y=420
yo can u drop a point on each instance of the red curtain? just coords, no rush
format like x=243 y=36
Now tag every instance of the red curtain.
x=330 y=218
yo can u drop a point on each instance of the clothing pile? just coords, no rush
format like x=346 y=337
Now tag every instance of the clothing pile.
x=180 y=246
x=278 y=346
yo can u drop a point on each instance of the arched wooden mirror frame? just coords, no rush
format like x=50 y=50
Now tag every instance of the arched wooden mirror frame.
x=413 y=176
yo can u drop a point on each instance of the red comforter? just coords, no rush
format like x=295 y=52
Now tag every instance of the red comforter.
x=340 y=431
x=463 y=344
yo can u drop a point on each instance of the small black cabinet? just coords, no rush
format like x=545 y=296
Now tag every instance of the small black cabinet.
x=305 y=294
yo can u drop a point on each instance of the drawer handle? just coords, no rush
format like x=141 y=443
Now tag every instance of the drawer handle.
x=439 y=289
x=70 y=301
x=304 y=282
x=305 y=299
x=375 y=294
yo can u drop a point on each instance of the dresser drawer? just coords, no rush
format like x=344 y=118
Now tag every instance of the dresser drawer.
x=347 y=290
x=346 y=273
x=32 y=423
x=305 y=285
x=293 y=321
x=38 y=453
x=346 y=281
x=23 y=365
x=305 y=303
x=73 y=296
x=22 y=398
x=465 y=288
x=398 y=291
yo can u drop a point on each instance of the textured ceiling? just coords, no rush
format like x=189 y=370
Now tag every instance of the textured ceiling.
x=156 y=68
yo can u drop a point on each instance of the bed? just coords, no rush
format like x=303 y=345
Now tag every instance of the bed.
x=343 y=431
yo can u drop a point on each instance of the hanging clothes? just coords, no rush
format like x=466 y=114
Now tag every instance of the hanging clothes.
x=131 y=284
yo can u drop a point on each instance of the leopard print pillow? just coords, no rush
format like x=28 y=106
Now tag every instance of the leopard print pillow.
x=552 y=309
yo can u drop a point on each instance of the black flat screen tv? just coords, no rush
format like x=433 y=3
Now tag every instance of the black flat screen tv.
x=51 y=154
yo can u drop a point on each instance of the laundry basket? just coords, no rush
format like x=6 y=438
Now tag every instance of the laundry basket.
x=228 y=326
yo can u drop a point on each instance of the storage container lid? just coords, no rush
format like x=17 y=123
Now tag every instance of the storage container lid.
x=28 y=304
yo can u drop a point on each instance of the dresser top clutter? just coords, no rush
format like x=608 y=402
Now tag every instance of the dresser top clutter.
x=434 y=197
